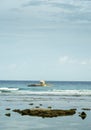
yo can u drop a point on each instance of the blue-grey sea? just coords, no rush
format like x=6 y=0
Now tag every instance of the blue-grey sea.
x=57 y=94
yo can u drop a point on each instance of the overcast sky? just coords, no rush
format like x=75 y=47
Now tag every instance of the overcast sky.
x=45 y=39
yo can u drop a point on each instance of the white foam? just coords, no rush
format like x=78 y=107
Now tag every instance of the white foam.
x=50 y=92
x=59 y=92
x=8 y=89
x=74 y=92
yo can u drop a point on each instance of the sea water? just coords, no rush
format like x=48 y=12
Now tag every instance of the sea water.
x=66 y=88
x=57 y=94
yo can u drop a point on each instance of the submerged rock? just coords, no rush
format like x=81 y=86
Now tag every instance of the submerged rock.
x=40 y=104
x=45 y=112
x=87 y=109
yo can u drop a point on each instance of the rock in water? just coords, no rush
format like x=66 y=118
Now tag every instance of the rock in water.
x=46 y=112
x=83 y=115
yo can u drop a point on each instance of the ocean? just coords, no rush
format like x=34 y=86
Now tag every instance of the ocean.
x=57 y=95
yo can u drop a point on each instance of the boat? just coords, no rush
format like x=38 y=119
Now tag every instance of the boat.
x=41 y=84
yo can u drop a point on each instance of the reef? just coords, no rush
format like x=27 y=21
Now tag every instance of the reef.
x=42 y=112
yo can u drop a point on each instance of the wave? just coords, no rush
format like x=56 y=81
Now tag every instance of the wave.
x=59 y=92
x=74 y=92
x=6 y=89
x=53 y=92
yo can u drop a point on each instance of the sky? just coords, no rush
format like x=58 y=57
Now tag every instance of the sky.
x=45 y=39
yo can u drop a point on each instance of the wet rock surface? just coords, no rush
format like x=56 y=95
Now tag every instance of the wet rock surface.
x=45 y=112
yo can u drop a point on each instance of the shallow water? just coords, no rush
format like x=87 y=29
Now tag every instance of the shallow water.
x=21 y=97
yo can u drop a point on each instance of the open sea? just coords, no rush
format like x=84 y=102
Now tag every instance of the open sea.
x=58 y=95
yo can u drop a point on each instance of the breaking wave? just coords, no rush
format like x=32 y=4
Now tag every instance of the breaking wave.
x=6 y=89
x=48 y=92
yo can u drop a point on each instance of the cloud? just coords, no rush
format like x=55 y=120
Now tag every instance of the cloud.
x=34 y=3
x=64 y=59
x=78 y=11
x=46 y=12
x=65 y=6
x=84 y=62
x=69 y=60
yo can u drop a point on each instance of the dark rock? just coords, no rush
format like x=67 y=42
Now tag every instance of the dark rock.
x=83 y=115
x=8 y=109
x=45 y=112
x=8 y=114
x=37 y=107
x=87 y=109
x=16 y=110
x=49 y=107
x=31 y=104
